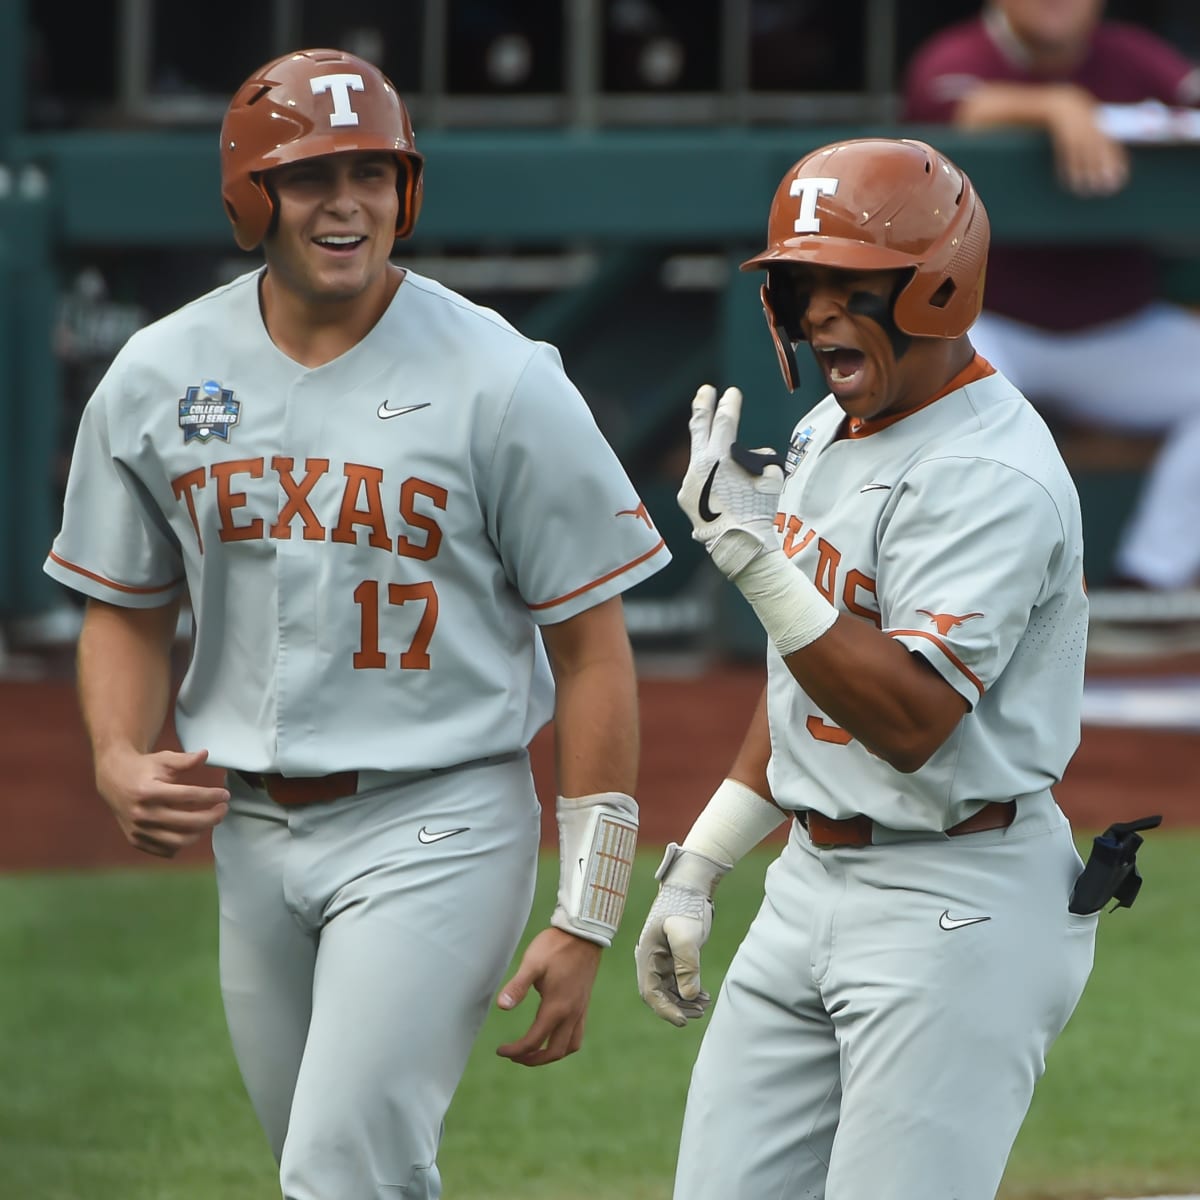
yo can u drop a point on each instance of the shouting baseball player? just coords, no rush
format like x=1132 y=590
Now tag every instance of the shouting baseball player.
x=355 y=477
x=915 y=559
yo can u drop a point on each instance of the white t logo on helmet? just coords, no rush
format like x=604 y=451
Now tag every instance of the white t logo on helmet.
x=339 y=87
x=809 y=190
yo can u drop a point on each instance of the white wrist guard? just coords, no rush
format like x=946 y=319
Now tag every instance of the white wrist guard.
x=597 y=836
x=734 y=821
x=789 y=606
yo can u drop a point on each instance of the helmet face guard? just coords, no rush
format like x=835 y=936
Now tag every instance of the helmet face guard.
x=878 y=204
x=304 y=105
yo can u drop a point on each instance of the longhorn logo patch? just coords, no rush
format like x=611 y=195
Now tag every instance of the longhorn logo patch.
x=945 y=622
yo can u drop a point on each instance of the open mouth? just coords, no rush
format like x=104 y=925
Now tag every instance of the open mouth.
x=340 y=243
x=842 y=366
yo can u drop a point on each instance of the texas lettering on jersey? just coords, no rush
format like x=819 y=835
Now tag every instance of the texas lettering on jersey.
x=361 y=505
x=857 y=588
x=361 y=509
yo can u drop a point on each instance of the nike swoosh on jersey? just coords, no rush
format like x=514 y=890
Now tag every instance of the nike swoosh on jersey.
x=385 y=412
x=706 y=513
x=875 y=487
x=946 y=921
x=427 y=839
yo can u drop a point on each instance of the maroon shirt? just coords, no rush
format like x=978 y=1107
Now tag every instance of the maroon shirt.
x=1056 y=287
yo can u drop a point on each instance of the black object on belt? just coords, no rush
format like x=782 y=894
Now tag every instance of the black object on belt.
x=828 y=834
x=310 y=789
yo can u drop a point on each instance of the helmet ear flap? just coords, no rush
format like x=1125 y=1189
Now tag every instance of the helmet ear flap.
x=411 y=185
x=781 y=336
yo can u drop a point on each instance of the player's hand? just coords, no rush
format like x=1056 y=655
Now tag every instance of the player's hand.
x=730 y=494
x=1088 y=161
x=667 y=954
x=562 y=968
x=158 y=808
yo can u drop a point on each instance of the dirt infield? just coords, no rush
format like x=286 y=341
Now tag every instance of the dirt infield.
x=51 y=817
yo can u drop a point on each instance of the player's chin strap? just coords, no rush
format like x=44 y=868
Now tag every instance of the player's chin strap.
x=597 y=836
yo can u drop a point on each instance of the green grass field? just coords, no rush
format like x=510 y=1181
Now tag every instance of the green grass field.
x=118 y=1081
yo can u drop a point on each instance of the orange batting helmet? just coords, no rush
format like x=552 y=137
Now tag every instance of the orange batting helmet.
x=303 y=105
x=879 y=204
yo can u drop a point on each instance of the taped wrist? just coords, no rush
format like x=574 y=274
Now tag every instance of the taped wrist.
x=790 y=608
x=597 y=836
x=734 y=821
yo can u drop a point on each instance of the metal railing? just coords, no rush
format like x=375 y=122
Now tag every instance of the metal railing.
x=581 y=102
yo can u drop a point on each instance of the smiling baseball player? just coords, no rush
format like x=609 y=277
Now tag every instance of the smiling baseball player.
x=356 y=478
x=916 y=560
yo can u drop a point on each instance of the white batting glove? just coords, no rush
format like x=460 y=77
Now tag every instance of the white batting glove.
x=680 y=919
x=730 y=494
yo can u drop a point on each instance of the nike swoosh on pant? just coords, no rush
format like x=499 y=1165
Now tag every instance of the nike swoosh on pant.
x=427 y=839
x=946 y=921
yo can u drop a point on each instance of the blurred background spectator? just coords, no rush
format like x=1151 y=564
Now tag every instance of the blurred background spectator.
x=1082 y=330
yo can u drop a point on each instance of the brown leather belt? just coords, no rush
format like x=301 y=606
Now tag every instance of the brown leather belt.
x=304 y=790
x=827 y=834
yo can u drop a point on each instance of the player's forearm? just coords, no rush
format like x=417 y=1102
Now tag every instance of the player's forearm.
x=750 y=762
x=596 y=732
x=595 y=735
x=1040 y=105
x=595 y=711
x=879 y=692
x=869 y=684
x=125 y=675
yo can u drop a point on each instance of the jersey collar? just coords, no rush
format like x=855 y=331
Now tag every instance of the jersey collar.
x=977 y=368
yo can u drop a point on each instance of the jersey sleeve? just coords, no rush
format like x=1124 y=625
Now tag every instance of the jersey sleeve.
x=569 y=526
x=967 y=551
x=115 y=544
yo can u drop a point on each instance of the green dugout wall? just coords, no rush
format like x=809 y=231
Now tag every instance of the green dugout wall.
x=626 y=194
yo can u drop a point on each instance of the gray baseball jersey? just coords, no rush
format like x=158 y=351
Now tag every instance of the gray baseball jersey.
x=336 y=528
x=956 y=530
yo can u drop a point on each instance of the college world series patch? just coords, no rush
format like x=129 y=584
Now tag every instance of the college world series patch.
x=208 y=411
x=798 y=448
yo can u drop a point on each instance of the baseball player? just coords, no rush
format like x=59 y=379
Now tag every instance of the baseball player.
x=915 y=559
x=355 y=477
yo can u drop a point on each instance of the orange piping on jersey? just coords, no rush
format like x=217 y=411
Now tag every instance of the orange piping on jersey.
x=587 y=587
x=977 y=368
x=120 y=587
x=941 y=645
